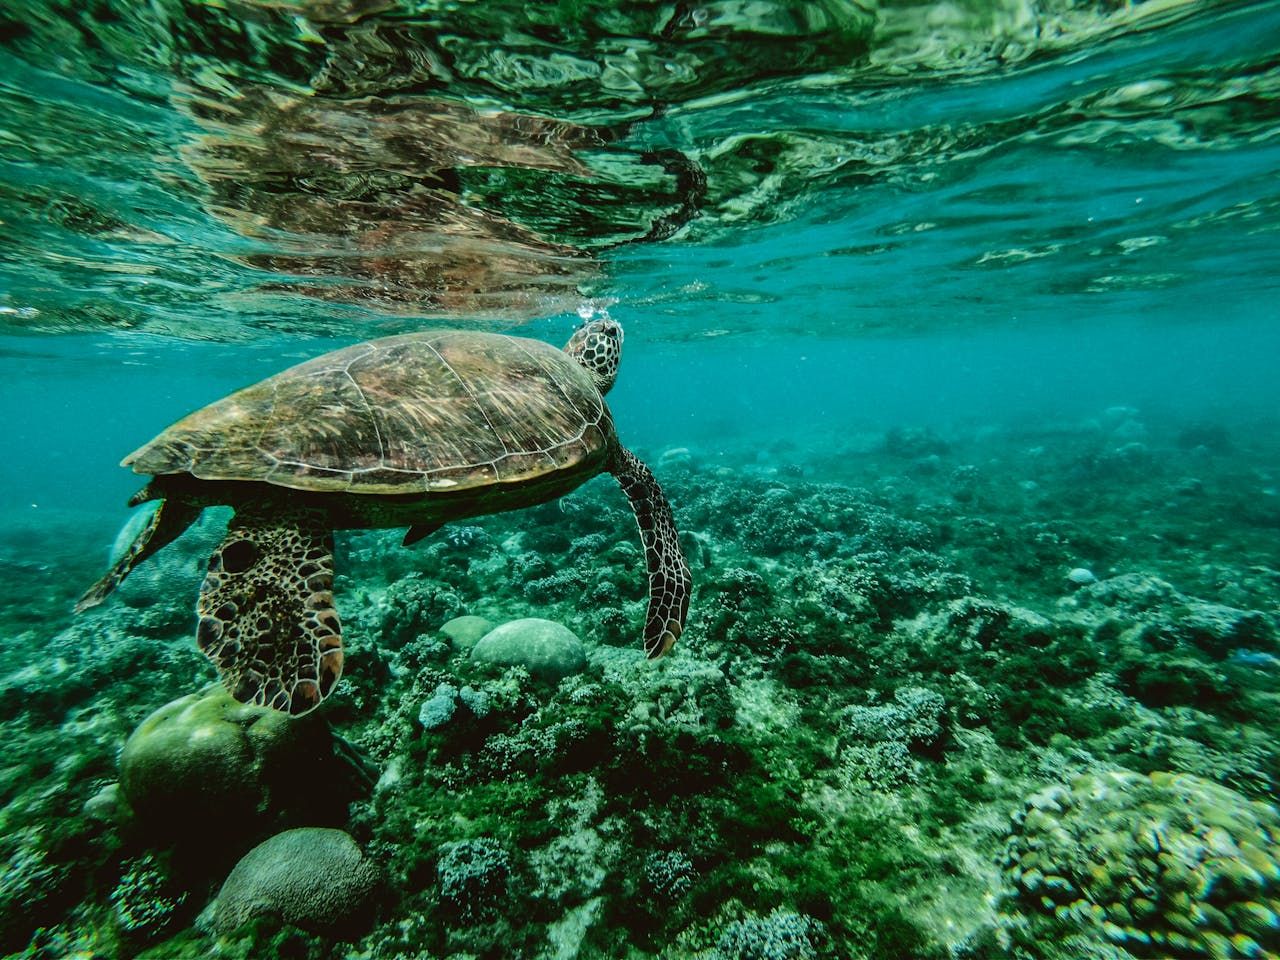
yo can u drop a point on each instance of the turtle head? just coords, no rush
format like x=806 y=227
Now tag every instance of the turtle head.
x=598 y=347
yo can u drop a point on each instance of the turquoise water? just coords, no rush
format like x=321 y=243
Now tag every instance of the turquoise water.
x=950 y=334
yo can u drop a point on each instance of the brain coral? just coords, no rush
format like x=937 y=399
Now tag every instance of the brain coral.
x=1159 y=865
x=312 y=877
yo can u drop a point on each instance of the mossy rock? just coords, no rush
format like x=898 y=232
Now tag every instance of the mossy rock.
x=1164 y=682
x=206 y=768
x=1218 y=629
x=465 y=632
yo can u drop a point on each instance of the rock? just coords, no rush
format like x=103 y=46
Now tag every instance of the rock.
x=1081 y=577
x=209 y=768
x=566 y=937
x=1218 y=629
x=1189 y=487
x=914 y=443
x=106 y=806
x=465 y=632
x=543 y=647
x=929 y=466
x=314 y=878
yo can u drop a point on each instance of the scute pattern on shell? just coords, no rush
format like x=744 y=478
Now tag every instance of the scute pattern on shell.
x=423 y=412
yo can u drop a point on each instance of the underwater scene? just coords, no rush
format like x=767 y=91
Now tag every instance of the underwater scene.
x=709 y=479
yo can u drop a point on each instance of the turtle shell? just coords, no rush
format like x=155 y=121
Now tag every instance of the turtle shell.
x=424 y=412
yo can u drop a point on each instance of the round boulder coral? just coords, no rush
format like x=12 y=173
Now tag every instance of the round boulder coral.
x=464 y=632
x=545 y=648
x=313 y=878
x=1161 y=865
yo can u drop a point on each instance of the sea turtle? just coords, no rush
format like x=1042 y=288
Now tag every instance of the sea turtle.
x=414 y=430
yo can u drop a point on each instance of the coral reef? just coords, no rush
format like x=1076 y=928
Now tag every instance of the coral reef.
x=890 y=649
x=439 y=709
x=145 y=900
x=414 y=605
x=1159 y=865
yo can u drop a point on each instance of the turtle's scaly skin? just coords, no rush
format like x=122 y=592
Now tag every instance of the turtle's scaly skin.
x=441 y=412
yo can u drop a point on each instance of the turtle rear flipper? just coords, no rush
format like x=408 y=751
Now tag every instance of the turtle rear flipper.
x=669 y=580
x=267 y=619
x=170 y=519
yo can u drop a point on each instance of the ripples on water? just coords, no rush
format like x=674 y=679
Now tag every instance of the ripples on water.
x=211 y=170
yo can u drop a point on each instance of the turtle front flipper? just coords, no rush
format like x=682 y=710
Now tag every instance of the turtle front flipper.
x=420 y=531
x=267 y=619
x=170 y=519
x=669 y=580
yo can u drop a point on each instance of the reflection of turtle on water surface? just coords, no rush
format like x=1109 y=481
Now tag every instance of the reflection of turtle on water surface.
x=414 y=430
